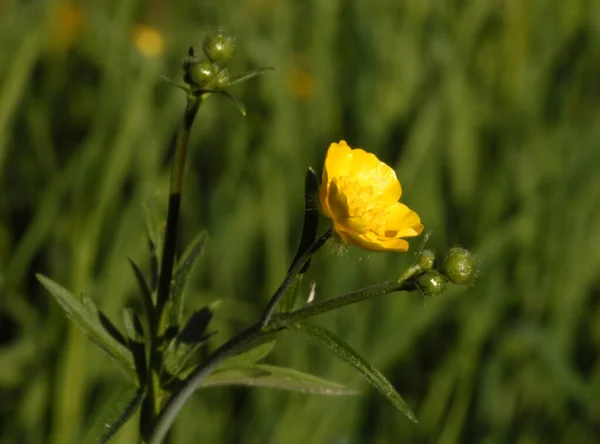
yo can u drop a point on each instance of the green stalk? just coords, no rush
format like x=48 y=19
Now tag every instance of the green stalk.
x=153 y=399
x=256 y=333
x=294 y=270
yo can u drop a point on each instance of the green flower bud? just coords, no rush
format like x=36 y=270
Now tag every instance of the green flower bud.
x=219 y=47
x=431 y=283
x=460 y=266
x=426 y=260
x=221 y=80
x=200 y=73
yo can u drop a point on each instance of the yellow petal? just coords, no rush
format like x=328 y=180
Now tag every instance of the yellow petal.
x=396 y=220
x=338 y=161
x=337 y=202
x=380 y=178
x=323 y=204
x=366 y=242
x=337 y=164
x=352 y=225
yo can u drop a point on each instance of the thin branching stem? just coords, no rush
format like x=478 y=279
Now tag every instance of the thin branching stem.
x=257 y=333
x=294 y=270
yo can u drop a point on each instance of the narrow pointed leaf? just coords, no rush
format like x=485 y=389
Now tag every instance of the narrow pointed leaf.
x=271 y=376
x=155 y=227
x=311 y=216
x=85 y=314
x=347 y=354
x=248 y=75
x=133 y=326
x=153 y=260
x=195 y=328
x=145 y=292
x=111 y=329
x=182 y=273
x=291 y=294
x=187 y=342
x=114 y=414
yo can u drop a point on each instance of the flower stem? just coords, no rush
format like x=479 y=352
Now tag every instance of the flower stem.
x=257 y=333
x=177 y=173
x=294 y=270
x=153 y=399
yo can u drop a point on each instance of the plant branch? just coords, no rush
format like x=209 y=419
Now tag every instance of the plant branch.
x=294 y=270
x=177 y=173
x=257 y=333
x=152 y=401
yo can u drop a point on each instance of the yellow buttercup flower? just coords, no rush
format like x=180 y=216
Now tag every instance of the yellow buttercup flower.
x=360 y=194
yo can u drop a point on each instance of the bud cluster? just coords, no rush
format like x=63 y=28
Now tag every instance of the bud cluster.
x=210 y=72
x=459 y=267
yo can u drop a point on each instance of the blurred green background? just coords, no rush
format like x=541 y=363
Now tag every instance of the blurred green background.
x=488 y=109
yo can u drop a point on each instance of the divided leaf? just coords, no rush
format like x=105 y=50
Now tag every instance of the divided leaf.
x=271 y=376
x=85 y=314
x=347 y=354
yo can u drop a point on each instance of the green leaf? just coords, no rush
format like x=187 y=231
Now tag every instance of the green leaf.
x=194 y=331
x=85 y=314
x=311 y=217
x=155 y=229
x=271 y=376
x=114 y=414
x=187 y=342
x=145 y=291
x=248 y=75
x=133 y=325
x=291 y=295
x=351 y=357
x=111 y=329
x=182 y=273
x=249 y=357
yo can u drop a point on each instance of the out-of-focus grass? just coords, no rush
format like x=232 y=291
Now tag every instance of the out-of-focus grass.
x=490 y=112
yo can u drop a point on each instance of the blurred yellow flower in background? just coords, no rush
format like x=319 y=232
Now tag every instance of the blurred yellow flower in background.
x=360 y=194
x=148 y=40
x=66 y=23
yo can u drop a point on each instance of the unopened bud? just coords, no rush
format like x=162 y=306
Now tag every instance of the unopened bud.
x=221 y=80
x=426 y=260
x=201 y=72
x=460 y=266
x=219 y=47
x=431 y=283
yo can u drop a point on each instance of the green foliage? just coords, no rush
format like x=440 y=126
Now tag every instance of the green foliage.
x=181 y=275
x=351 y=357
x=489 y=113
x=271 y=376
x=116 y=411
x=249 y=357
x=94 y=323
